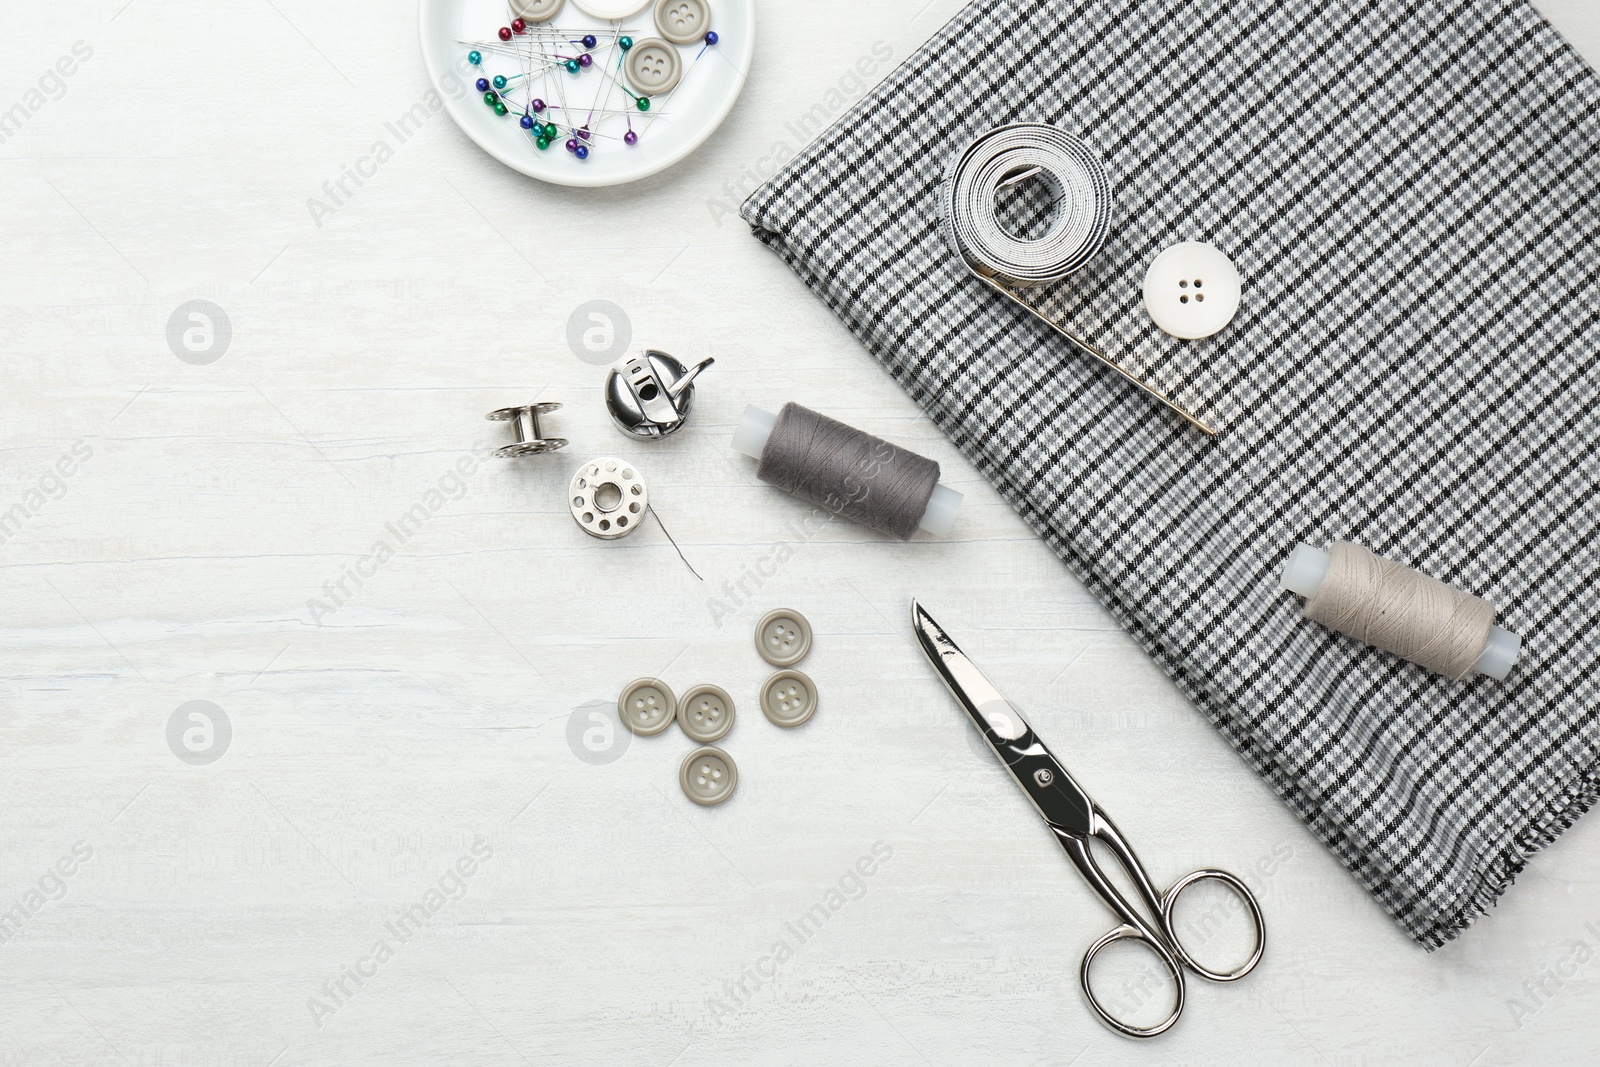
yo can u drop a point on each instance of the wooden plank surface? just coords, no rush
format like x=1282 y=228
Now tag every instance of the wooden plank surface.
x=408 y=723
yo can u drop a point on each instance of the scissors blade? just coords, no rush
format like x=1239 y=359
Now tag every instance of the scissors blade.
x=1059 y=800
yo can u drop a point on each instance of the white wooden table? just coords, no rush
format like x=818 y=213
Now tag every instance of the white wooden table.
x=170 y=529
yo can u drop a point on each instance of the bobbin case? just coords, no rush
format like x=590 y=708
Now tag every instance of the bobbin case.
x=651 y=394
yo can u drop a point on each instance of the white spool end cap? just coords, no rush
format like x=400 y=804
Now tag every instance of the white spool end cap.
x=1500 y=654
x=1308 y=566
x=941 y=514
x=756 y=425
x=1305 y=570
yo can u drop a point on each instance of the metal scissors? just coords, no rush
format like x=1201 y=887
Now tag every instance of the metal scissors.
x=1075 y=820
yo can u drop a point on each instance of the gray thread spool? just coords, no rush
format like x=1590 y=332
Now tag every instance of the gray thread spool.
x=1402 y=611
x=848 y=472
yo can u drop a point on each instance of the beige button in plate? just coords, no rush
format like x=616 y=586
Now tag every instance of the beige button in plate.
x=683 y=21
x=653 y=67
x=536 y=10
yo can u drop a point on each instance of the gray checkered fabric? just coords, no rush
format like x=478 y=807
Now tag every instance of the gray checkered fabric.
x=1409 y=191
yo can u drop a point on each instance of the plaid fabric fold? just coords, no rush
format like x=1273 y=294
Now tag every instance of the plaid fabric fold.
x=1410 y=194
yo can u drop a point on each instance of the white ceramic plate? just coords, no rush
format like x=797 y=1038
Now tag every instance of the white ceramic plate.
x=675 y=125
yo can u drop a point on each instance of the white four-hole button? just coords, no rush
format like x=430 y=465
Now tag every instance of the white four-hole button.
x=1192 y=290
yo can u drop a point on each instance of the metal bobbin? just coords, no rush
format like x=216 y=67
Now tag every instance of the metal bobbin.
x=525 y=420
x=609 y=498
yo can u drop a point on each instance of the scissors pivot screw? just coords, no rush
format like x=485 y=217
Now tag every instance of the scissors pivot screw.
x=1043 y=777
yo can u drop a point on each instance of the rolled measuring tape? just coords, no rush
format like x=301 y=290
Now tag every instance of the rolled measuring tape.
x=1080 y=216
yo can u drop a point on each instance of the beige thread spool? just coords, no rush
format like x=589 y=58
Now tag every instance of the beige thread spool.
x=1401 y=611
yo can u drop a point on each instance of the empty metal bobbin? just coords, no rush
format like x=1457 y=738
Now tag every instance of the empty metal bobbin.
x=608 y=498
x=530 y=439
x=650 y=394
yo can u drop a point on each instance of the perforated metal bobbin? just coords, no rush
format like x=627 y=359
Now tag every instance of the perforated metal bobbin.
x=531 y=441
x=608 y=498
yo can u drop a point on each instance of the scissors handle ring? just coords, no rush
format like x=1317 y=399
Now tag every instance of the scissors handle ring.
x=1169 y=901
x=1128 y=932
